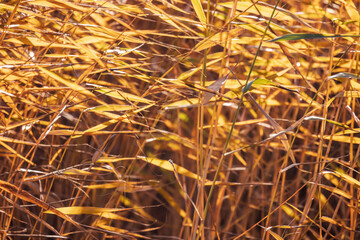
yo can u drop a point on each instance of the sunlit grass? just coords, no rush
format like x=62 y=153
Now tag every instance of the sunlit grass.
x=118 y=120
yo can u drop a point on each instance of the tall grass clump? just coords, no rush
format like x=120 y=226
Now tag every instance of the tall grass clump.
x=179 y=119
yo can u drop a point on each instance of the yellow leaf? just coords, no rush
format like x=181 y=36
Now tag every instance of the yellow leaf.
x=114 y=159
x=337 y=191
x=123 y=95
x=111 y=107
x=169 y=19
x=174 y=204
x=61 y=4
x=199 y=11
x=121 y=186
x=345 y=139
x=309 y=100
x=290 y=212
x=218 y=38
x=183 y=103
x=129 y=203
x=355 y=85
x=93 y=39
x=275 y=235
x=103 y=212
x=113 y=121
x=164 y=164
x=119 y=230
x=85 y=210
x=332 y=221
x=37 y=42
x=74 y=171
x=242 y=123
x=24 y=195
x=15 y=152
x=188 y=74
x=347 y=178
x=352 y=11
x=67 y=83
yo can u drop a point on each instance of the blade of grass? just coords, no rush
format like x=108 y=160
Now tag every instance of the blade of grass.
x=303 y=36
x=234 y=121
x=199 y=11
x=12 y=189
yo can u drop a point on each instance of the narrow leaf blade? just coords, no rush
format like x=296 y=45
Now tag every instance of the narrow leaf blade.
x=199 y=11
x=302 y=36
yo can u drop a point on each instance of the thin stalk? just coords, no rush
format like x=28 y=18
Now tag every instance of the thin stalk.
x=200 y=125
x=234 y=121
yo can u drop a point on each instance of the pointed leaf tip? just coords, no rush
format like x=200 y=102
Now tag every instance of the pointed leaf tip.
x=343 y=75
x=301 y=36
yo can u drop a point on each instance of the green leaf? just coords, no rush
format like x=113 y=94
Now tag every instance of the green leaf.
x=343 y=75
x=263 y=82
x=301 y=36
x=316 y=118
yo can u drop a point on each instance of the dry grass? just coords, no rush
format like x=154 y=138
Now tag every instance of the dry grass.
x=98 y=96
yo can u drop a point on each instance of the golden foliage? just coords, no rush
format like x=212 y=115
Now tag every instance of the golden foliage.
x=176 y=119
